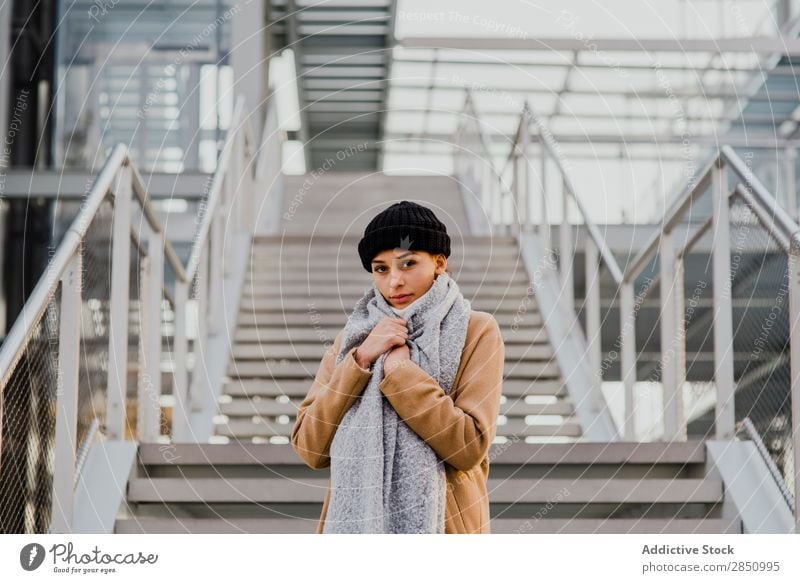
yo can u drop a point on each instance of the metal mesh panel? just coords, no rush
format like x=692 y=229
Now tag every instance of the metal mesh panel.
x=760 y=296
x=134 y=329
x=95 y=297
x=28 y=430
x=167 y=360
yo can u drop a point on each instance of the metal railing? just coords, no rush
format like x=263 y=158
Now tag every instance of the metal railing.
x=726 y=195
x=58 y=329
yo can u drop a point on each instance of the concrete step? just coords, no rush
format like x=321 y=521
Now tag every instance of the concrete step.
x=280 y=490
x=497 y=526
x=315 y=352
x=308 y=369
x=262 y=387
x=247 y=429
x=523 y=334
x=579 y=454
x=330 y=277
x=246 y=319
x=458 y=267
x=354 y=290
x=344 y=305
x=615 y=526
x=273 y=408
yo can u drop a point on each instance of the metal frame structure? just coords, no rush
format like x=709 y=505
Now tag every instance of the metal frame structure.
x=241 y=167
x=507 y=204
x=758 y=89
x=342 y=55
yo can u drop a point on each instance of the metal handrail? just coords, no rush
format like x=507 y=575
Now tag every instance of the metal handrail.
x=239 y=163
x=469 y=111
x=550 y=144
x=777 y=223
x=215 y=192
x=25 y=324
x=752 y=432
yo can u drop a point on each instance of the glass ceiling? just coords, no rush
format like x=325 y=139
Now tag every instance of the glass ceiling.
x=622 y=116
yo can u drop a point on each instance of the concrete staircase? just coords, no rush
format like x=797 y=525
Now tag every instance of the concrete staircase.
x=301 y=285
x=534 y=488
x=298 y=295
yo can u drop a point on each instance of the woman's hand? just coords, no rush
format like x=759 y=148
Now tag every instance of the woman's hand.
x=388 y=333
x=397 y=357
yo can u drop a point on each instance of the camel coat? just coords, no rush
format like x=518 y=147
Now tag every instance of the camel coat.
x=459 y=427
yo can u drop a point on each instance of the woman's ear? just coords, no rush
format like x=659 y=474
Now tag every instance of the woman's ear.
x=441 y=264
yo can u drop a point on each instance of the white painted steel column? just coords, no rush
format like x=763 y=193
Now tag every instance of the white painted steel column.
x=150 y=369
x=671 y=339
x=790 y=173
x=180 y=376
x=214 y=248
x=592 y=258
x=724 y=414
x=69 y=349
x=515 y=220
x=200 y=391
x=120 y=290
x=627 y=314
x=565 y=251
x=525 y=179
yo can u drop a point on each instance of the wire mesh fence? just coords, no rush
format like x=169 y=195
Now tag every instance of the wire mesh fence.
x=28 y=404
x=95 y=301
x=760 y=295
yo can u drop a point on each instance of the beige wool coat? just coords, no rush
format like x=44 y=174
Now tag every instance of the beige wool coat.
x=459 y=427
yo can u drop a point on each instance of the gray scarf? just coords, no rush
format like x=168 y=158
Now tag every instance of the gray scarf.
x=384 y=477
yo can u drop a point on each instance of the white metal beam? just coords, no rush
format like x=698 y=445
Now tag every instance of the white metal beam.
x=784 y=45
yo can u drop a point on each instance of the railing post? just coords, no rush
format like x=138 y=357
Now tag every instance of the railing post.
x=118 y=318
x=486 y=185
x=240 y=184
x=672 y=346
x=515 y=220
x=724 y=416
x=525 y=178
x=593 y=319
x=180 y=378
x=545 y=235
x=69 y=347
x=790 y=170
x=565 y=251
x=226 y=214
x=200 y=390
x=150 y=367
x=794 y=356
x=628 y=355
x=217 y=258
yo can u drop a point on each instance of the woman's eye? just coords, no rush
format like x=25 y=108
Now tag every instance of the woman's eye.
x=408 y=262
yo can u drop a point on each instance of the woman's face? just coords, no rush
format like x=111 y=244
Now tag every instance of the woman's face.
x=403 y=275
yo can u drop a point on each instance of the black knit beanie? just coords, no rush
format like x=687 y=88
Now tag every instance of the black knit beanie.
x=407 y=225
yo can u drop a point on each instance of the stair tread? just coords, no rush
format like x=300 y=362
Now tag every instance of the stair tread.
x=580 y=490
x=249 y=407
x=497 y=525
x=237 y=453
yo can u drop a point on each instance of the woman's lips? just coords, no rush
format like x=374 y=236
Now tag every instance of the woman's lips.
x=402 y=299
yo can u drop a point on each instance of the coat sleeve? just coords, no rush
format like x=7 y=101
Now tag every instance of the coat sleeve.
x=332 y=393
x=460 y=429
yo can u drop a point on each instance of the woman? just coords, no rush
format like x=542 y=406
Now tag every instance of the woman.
x=404 y=406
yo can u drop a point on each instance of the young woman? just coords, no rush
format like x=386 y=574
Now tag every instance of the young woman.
x=404 y=406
